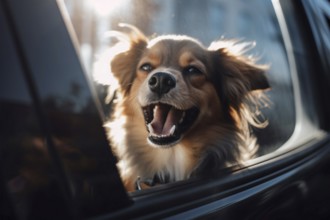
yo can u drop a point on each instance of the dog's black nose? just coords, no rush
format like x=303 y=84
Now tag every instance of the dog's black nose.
x=161 y=83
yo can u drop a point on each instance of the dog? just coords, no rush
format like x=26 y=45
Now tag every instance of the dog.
x=182 y=109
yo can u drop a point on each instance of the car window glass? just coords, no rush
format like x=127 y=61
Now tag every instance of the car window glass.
x=49 y=120
x=26 y=170
x=206 y=21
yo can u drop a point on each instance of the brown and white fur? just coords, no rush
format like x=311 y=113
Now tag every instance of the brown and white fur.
x=181 y=109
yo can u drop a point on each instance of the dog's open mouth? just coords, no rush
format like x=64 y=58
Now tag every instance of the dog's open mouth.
x=166 y=124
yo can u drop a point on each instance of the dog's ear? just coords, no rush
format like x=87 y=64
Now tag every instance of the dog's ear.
x=126 y=56
x=238 y=73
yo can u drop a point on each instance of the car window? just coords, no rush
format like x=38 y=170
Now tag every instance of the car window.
x=206 y=21
x=216 y=19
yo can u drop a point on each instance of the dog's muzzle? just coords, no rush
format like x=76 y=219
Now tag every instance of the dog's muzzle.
x=166 y=123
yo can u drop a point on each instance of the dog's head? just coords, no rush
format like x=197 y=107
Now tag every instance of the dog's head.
x=180 y=87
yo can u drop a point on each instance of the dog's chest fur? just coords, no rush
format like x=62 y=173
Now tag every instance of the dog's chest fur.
x=174 y=163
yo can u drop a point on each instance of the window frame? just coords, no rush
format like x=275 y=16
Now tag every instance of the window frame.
x=320 y=30
x=299 y=43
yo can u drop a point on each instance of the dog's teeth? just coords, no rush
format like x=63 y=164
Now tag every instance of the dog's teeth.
x=150 y=128
x=155 y=109
x=172 y=130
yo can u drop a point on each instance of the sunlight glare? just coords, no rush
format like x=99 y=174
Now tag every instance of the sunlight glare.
x=106 y=7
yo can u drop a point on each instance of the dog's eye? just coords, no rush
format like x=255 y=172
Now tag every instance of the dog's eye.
x=147 y=67
x=192 y=70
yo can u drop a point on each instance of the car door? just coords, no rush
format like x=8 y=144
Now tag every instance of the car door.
x=55 y=159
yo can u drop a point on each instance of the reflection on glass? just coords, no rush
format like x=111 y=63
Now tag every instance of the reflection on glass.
x=53 y=147
x=26 y=170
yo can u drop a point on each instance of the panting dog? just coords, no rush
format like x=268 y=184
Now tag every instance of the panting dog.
x=182 y=109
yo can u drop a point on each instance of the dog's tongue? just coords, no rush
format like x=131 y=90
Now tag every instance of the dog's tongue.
x=165 y=117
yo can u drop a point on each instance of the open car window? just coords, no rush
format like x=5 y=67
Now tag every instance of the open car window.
x=206 y=21
x=291 y=123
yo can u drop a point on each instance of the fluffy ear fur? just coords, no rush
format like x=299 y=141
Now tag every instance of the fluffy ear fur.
x=125 y=59
x=242 y=81
x=239 y=74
